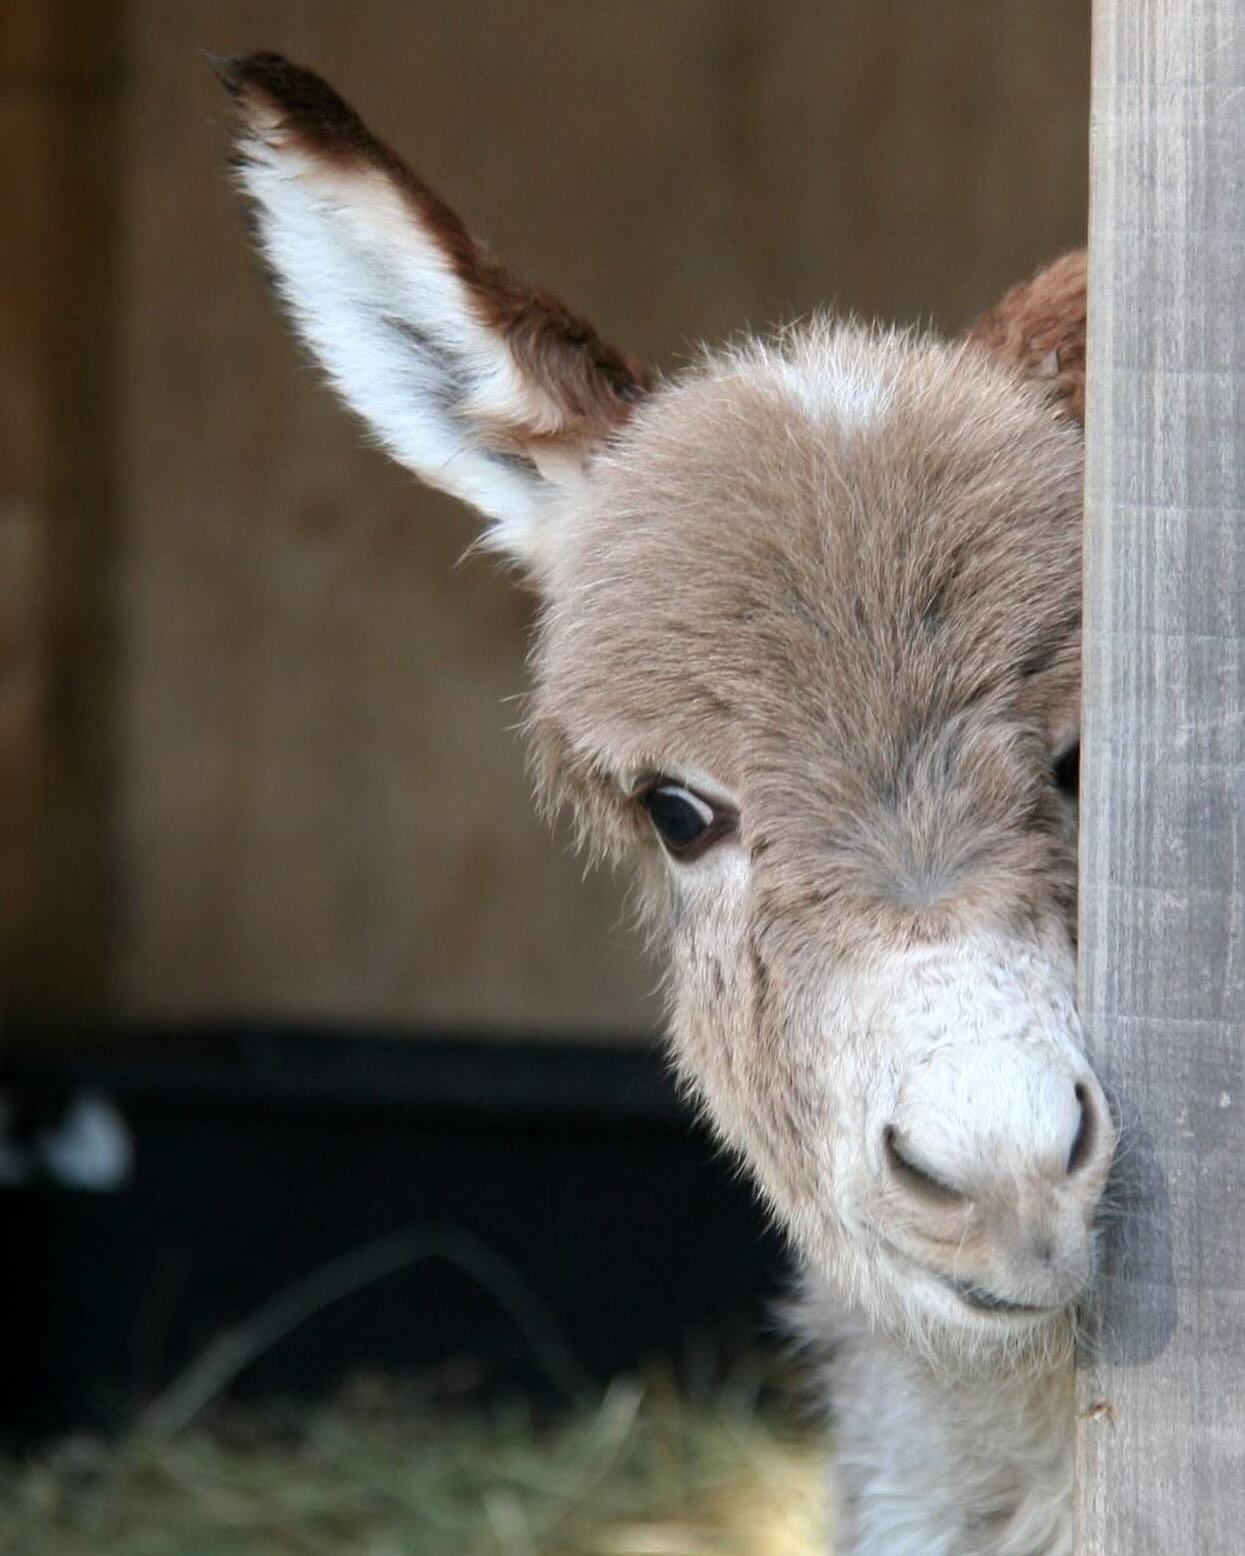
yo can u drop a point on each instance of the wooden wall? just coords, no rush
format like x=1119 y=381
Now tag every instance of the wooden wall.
x=1161 y=1452
x=317 y=806
x=59 y=103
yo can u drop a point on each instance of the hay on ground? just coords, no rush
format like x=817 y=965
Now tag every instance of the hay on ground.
x=640 y=1472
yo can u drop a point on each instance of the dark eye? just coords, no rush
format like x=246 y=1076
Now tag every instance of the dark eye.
x=685 y=822
x=1067 y=771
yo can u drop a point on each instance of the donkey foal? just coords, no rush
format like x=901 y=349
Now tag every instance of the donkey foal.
x=809 y=655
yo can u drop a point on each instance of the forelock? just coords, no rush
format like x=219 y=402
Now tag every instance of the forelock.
x=823 y=543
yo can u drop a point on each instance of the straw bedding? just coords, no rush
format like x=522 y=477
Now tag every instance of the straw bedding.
x=641 y=1471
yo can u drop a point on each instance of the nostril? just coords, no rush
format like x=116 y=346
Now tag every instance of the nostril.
x=917 y=1179
x=1086 y=1131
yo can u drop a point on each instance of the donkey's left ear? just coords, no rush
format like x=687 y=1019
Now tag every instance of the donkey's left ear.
x=480 y=384
x=1038 y=329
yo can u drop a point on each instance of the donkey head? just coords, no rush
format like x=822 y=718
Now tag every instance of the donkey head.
x=809 y=654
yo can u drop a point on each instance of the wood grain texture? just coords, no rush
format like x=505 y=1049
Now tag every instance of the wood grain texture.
x=1160 y=1467
x=59 y=87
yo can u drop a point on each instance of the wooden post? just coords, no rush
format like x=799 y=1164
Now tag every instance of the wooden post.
x=1162 y=1405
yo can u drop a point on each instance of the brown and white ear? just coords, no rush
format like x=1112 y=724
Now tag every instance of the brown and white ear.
x=1038 y=330
x=478 y=383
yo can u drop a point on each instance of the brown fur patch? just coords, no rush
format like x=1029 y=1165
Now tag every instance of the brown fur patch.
x=1038 y=329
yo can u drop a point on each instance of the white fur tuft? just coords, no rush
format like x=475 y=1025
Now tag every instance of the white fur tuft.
x=395 y=328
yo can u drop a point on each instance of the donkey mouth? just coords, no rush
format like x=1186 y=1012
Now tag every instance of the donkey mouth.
x=976 y=1296
x=990 y=1302
x=979 y=1298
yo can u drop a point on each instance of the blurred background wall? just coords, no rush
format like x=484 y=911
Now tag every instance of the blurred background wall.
x=255 y=745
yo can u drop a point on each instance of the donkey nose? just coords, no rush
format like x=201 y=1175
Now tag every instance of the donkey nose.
x=962 y=1137
x=914 y=1178
x=1082 y=1151
x=991 y=1170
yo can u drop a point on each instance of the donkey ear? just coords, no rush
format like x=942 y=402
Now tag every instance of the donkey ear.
x=1038 y=330
x=478 y=383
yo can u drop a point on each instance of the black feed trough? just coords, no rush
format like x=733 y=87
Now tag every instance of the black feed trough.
x=486 y=1215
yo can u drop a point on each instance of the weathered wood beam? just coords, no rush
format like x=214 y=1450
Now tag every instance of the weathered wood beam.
x=1160 y=1467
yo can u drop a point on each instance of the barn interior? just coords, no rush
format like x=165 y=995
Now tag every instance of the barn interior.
x=328 y=1080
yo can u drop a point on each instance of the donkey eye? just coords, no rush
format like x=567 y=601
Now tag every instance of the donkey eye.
x=680 y=817
x=1067 y=771
x=685 y=823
